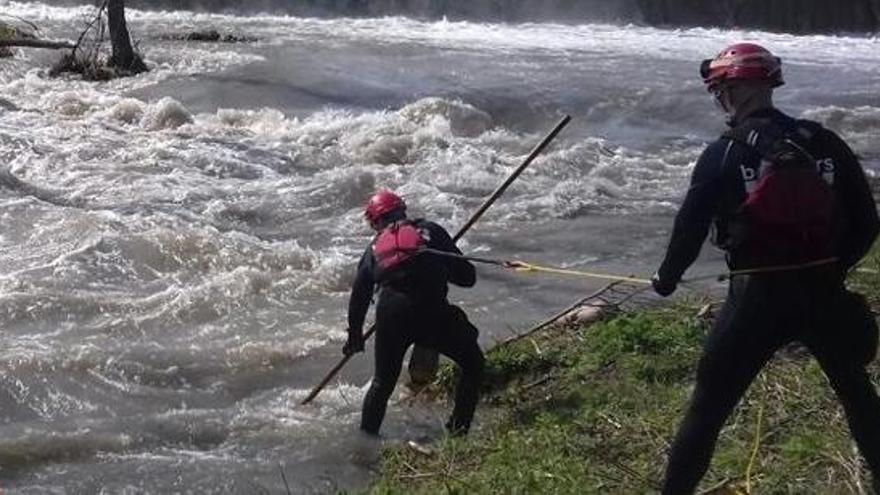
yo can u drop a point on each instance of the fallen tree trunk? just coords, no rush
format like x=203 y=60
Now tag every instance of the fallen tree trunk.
x=35 y=43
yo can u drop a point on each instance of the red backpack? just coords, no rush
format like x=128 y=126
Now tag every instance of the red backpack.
x=790 y=212
x=397 y=244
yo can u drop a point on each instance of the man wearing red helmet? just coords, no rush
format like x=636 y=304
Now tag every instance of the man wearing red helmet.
x=412 y=307
x=790 y=205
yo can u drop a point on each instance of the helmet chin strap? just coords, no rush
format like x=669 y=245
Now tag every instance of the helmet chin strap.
x=721 y=103
x=721 y=98
x=748 y=100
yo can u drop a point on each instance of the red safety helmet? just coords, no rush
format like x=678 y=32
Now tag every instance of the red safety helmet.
x=742 y=62
x=381 y=204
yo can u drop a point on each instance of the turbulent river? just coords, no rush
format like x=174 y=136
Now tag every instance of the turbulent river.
x=176 y=248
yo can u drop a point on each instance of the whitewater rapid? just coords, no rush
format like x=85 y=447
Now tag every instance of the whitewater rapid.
x=176 y=248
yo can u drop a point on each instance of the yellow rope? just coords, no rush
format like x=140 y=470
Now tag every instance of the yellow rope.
x=524 y=267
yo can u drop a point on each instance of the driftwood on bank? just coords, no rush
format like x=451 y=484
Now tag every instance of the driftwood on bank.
x=36 y=43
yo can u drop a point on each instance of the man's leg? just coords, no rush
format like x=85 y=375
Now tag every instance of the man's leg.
x=843 y=354
x=458 y=341
x=862 y=406
x=390 y=347
x=739 y=345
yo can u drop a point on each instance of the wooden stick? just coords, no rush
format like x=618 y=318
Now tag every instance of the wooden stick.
x=553 y=319
x=516 y=173
x=34 y=43
x=461 y=232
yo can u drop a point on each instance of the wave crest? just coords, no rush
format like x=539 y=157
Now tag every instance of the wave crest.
x=167 y=113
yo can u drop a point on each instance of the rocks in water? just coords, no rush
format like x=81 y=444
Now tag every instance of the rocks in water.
x=90 y=70
x=211 y=36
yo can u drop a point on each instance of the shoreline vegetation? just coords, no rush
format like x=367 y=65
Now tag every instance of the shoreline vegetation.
x=591 y=408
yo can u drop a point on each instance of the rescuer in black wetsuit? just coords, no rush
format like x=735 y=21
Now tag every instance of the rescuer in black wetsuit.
x=412 y=308
x=766 y=311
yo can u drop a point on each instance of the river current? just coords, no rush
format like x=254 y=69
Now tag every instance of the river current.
x=176 y=248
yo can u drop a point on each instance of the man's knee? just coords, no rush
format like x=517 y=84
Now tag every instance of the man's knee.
x=711 y=370
x=851 y=384
x=476 y=365
x=717 y=390
x=459 y=321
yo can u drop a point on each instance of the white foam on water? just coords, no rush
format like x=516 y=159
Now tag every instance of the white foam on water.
x=276 y=416
x=38 y=446
x=166 y=114
x=38 y=11
x=631 y=40
x=26 y=84
x=127 y=111
x=860 y=125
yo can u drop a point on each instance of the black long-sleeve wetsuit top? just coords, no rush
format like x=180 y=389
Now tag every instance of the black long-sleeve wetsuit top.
x=425 y=278
x=718 y=188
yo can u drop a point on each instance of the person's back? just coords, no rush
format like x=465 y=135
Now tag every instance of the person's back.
x=406 y=261
x=792 y=209
x=424 y=275
x=846 y=212
x=730 y=169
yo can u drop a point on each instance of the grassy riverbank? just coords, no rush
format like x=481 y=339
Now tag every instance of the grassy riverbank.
x=592 y=409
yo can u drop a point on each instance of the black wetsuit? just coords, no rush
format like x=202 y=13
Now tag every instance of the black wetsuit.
x=412 y=308
x=767 y=311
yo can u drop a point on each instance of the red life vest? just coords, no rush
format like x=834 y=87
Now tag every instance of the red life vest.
x=397 y=244
x=790 y=212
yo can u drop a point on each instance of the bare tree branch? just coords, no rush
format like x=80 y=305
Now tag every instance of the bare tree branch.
x=23 y=20
x=90 y=25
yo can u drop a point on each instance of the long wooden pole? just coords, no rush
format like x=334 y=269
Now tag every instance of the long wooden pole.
x=461 y=232
x=516 y=173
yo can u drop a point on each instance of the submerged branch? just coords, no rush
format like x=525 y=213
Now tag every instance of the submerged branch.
x=35 y=43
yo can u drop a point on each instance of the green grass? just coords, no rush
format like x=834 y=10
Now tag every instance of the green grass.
x=592 y=409
x=866 y=277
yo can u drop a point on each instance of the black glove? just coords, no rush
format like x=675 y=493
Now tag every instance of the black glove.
x=354 y=344
x=663 y=287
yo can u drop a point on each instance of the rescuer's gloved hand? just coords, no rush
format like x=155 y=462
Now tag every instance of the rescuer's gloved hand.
x=663 y=287
x=354 y=344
